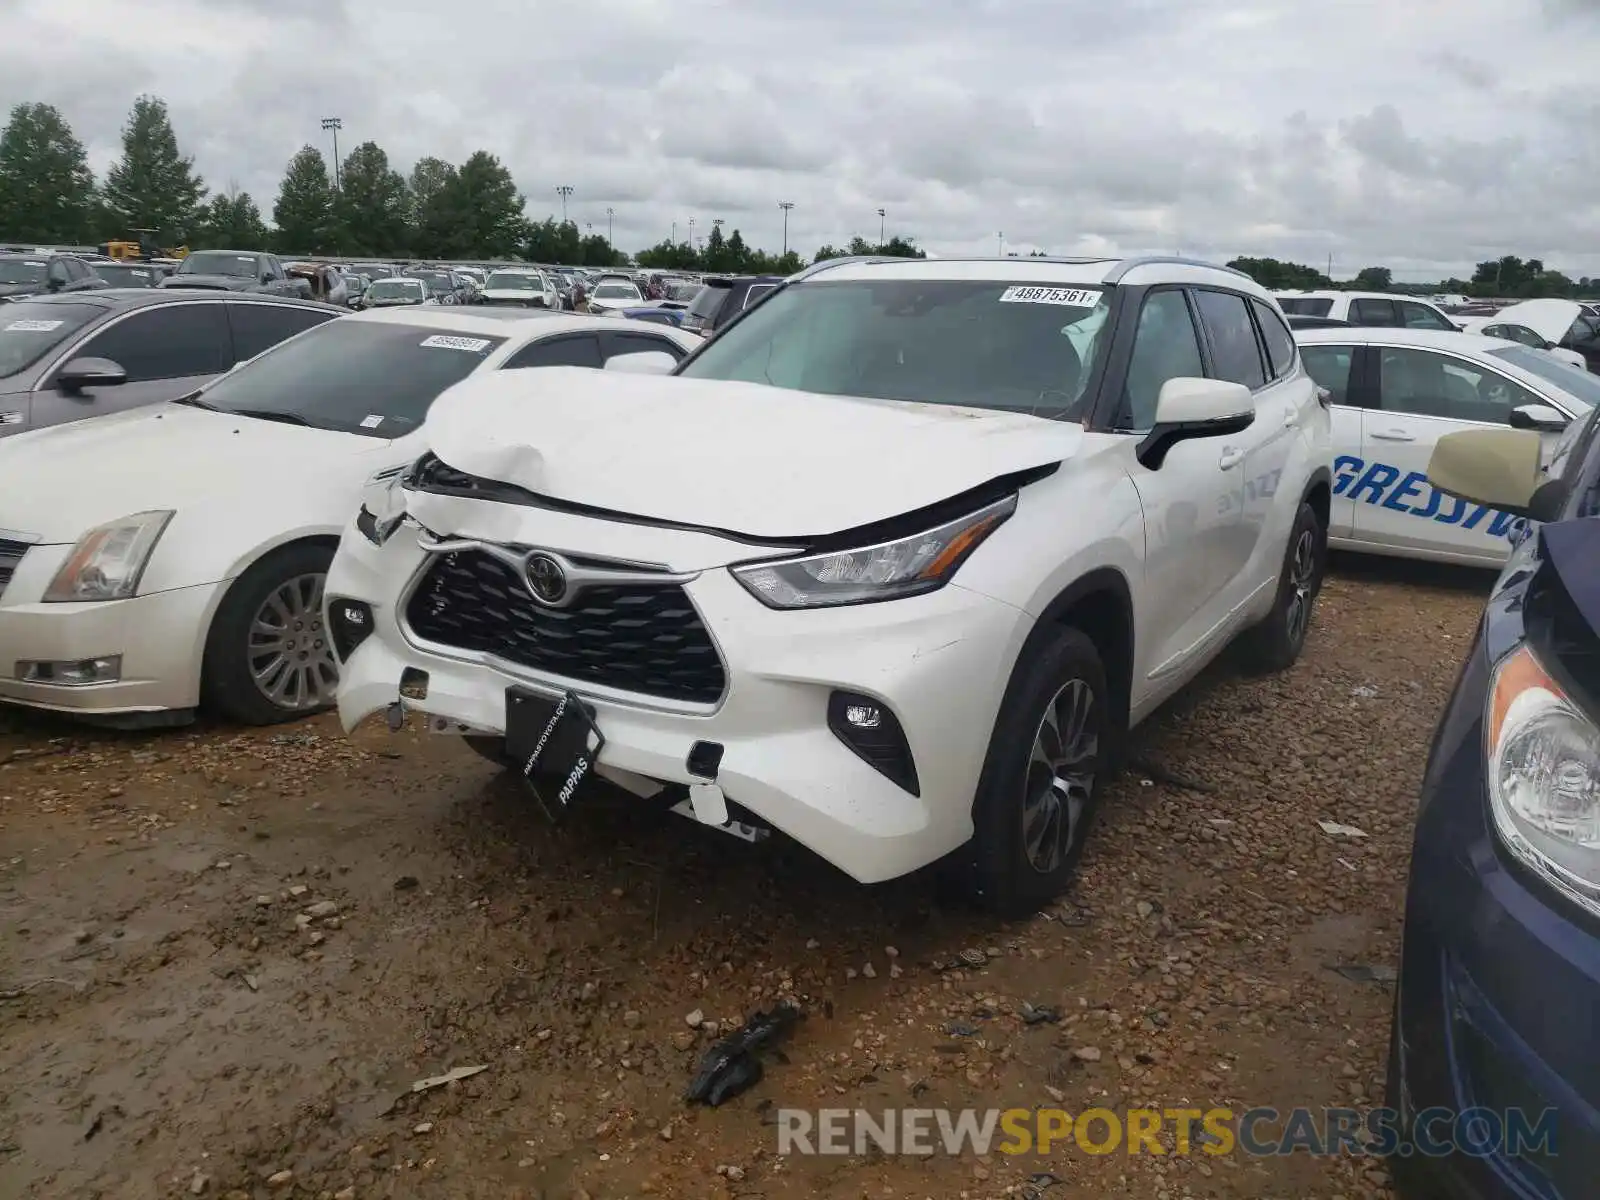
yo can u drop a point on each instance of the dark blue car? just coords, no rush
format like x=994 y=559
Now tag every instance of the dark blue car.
x=656 y=316
x=1498 y=1007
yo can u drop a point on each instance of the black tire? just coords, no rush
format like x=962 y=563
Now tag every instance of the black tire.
x=228 y=678
x=1274 y=643
x=999 y=870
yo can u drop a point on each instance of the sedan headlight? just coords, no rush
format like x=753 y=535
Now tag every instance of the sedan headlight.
x=1544 y=777
x=887 y=571
x=108 y=561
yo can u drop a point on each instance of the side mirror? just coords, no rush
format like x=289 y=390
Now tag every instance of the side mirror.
x=1195 y=408
x=83 y=373
x=1537 y=416
x=644 y=362
x=1499 y=468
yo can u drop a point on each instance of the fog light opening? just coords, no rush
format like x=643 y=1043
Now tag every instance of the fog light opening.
x=349 y=624
x=874 y=734
x=82 y=672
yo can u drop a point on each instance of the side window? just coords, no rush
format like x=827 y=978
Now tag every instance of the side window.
x=582 y=350
x=1420 y=316
x=1426 y=384
x=757 y=290
x=173 y=341
x=1235 y=354
x=618 y=344
x=1164 y=347
x=1367 y=311
x=1280 y=342
x=1330 y=367
x=258 y=327
x=76 y=270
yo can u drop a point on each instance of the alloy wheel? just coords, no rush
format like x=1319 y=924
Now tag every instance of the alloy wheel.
x=1302 y=581
x=289 y=655
x=1061 y=774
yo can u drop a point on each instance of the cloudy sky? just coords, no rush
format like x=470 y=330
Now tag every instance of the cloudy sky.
x=1421 y=134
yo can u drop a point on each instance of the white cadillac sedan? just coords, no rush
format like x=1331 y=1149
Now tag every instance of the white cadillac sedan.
x=160 y=558
x=1394 y=393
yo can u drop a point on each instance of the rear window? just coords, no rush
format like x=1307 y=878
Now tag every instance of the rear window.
x=708 y=301
x=1305 y=306
x=368 y=377
x=28 y=331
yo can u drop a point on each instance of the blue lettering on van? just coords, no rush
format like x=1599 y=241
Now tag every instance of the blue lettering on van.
x=1385 y=484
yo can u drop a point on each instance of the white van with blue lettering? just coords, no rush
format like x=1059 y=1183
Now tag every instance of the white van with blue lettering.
x=1395 y=392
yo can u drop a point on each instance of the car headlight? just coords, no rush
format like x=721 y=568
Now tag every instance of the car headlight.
x=108 y=561
x=1544 y=777
x=887 y=571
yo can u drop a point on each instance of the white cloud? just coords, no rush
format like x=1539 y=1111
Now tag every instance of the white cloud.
x=1416 y=134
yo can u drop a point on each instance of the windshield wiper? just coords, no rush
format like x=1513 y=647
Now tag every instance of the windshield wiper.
x=268 y=414
x=192 y=400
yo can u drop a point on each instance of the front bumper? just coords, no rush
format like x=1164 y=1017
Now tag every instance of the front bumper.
x=160 y=638
x=1499 y=994
x=940 y=662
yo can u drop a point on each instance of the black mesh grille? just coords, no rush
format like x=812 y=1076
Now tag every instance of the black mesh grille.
x=10 y=555
x=648 y=640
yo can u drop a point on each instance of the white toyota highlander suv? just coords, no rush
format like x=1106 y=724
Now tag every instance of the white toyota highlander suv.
x=891 y=564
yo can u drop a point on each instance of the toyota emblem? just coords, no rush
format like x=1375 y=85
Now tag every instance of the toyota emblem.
x=546 y=580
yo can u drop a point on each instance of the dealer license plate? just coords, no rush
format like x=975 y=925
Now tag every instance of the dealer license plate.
x=555 y=744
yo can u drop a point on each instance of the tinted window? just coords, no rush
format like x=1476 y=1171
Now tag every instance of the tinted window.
x=172 y=341
x=1577 y=383
x=1305 y=306
x=618 y=344
x=258 y=327
x=1435 y=385
x=219 y=262
x=1165 y=347
x=757 y=290
x=368 y=377
x=1280 y=342
x=1330 y=367
x=1420 y=316
x=978 y=343
x=1373 y=312
x=1235 y=354
x=580 y=351
x=28 y=331
x=121 y=276
x=20 y=270
x=709 y=299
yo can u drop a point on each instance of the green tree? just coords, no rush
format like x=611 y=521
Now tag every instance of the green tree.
x=550 y=241
x=432 y=207
x=740 y=256
x=828 y=251
x=1374 y=279
x=304 y=211
x=485 y=211
x=1271 y=273
x=595 y=251
x=230 y=221
x=46 y=187
x=667 y=255
x=152 y=186
x=372 y=205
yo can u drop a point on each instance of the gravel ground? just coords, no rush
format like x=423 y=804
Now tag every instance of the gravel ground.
x=225 y=956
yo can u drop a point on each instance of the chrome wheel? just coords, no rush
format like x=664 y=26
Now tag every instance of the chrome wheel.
x=1061 y=773
x=288 y=653
x=1302 y=582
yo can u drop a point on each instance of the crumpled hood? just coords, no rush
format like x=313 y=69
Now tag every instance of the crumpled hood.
x=1550 y=319
x=66 y=479
x=751 y=459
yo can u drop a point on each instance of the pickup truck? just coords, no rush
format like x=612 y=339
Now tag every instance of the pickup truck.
x=237 y=271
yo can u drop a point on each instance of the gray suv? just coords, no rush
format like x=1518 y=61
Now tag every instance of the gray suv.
x=66 y=358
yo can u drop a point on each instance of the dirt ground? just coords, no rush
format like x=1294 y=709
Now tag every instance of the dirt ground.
x=225 y=957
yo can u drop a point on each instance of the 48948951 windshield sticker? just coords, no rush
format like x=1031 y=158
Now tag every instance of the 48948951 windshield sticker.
x=445 y=342
x=1074 y=297
x=33 y=326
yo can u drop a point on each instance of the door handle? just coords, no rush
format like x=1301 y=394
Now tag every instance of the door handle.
x=1393 y=435
x=1231 y=457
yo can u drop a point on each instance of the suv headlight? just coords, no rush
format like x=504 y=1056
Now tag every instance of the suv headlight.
x=1544 y=777
x=108 y=561
x=887 y=571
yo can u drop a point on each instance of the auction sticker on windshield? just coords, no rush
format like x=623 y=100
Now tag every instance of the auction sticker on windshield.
x=444 y=342
x=33 y=326
x=1076 y=297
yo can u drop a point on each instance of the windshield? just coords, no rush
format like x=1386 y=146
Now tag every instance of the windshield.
x=28 y=330
x=123 y=276
x=368 y=377
x=1574 y=381
x=218 y=262
x=1305 y=306
x=397 y=289
x=374 y=270
x=979 y=344
x=617 y=291
x=18 y=270
x=437 y=281
x=513 y=281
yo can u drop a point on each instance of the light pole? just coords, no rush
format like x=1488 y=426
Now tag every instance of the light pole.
x=1001 y=239
x=610 y=213
x=880 y=228
x=692 y=244
x=564 y=191
x=333 y=125
x=786 y=205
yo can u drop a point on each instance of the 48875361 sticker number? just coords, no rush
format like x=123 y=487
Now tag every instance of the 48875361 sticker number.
x=1072 y=297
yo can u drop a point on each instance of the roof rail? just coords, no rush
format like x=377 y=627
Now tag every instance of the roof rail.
x=829 y=263
x=1172 y=260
